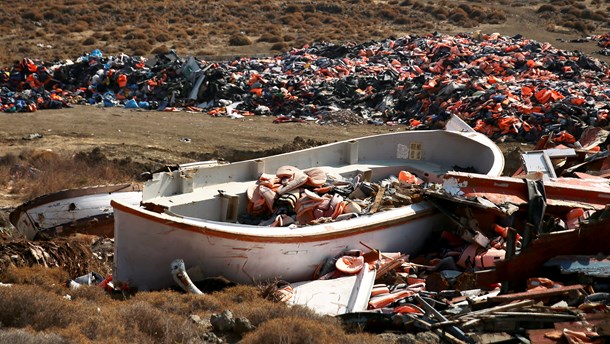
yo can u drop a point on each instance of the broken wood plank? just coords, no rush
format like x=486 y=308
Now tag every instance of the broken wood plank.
x=534 y=316
x=514 y=305
x=537 y=294
x=493 y=338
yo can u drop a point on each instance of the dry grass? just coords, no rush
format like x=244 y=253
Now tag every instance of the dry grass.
x=298 y=330
x=20 y=336
x=37 y=172
x=47 y=278
x=36 y=310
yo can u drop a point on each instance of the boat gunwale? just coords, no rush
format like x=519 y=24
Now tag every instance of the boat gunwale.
x=179 y=223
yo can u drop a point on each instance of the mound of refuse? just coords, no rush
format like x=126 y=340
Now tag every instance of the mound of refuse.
x=74 y=256
x=502 y=86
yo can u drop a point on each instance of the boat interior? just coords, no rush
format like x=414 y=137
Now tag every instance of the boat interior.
x=219 y=192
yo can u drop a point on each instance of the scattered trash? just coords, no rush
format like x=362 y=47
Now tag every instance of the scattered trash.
x=57 y=253
x=513 y=265
x=32 y=136
x=502 y=86
x=92 y=278
x=513 y=258
x=182 y=278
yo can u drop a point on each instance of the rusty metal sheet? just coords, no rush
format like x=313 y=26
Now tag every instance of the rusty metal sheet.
x=564 y=192
x=590 y=239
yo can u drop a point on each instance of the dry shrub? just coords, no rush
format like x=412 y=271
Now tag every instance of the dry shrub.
x=93 y=295
x=105 y=7
x=20 y=336
x=270 y=38
x=417 y=5
x=162 y=37
x=32 y=14
x=7 y=163
x=312 y=21
x=80 y=26
x=467 y=8
x=26 y=305
x=580 y=5
x=458 y=16
x=261 y=311
x=137 y=34
x=298 y=330
x=279 y=46
x=386 y=12
x=145 y=318
x=206 y=52
x=94 y=320
x=239 y=40
x=157 y=325
x=238 y=294
x=579 y=26
x=291 y=20
x=162 y=49
x=292 y=9
x=546 y=8
x=331 y=8
x=571 y=12
x=289 y=38
x=36 y=275
x=495 y=17
x=441 y=12
x=586 y=14
x=406 y=3
x=599 y=16
x=89 y=41
x=140 y=47
x=174 y=302
x=402 y=20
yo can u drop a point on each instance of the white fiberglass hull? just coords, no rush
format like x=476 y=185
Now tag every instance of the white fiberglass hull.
x=157 y=239
x=85 y=210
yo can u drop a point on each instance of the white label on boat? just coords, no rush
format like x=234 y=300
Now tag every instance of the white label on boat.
x=402 y=151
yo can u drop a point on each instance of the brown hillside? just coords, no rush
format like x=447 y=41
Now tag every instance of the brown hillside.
x=60 y=29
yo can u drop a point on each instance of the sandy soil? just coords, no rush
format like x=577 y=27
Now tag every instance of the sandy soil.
x=168 y=137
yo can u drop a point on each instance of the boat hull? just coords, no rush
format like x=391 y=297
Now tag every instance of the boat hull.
x=144 y=264
x=192 y=213
x=86 y=210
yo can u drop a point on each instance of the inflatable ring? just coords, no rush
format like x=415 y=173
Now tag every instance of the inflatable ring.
x=349 y=264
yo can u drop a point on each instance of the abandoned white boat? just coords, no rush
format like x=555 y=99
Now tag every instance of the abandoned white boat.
x=85 y=210
x=191 y=213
